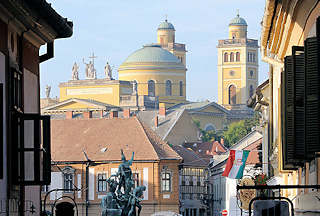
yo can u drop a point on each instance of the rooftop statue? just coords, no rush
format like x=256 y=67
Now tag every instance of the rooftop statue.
x=122 y=198
x=75 y=73
x=108 y=71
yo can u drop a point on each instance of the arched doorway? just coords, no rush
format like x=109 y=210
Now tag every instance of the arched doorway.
x=232 y=95
x=64 y=209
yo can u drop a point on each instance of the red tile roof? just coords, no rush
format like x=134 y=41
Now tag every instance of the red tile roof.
x=70 y=137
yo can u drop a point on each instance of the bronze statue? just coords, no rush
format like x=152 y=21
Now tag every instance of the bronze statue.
x=122 y=198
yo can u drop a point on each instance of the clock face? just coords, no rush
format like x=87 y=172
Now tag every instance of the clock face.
x=231 y=73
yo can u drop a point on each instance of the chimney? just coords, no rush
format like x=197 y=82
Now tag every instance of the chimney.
x=113 y=113
x=126 y=113
x=156 y=122
x=69 y=115
x=87 y=114
x=162 y=109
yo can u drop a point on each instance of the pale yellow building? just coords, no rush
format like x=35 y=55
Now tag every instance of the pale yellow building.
x=159 y=69
x=237 y=66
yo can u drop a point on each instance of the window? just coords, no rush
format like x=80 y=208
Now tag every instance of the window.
x=238 y=56
x=181 y=88
x=31 y=149
x=166 y=181
x=151 y=88
x=168 y=88
x=45 y=188
x=102 y=182
x=209 y=127
x=136 y=179
x=251 y=73
x=68 y=181
x=251 y=91
x=225 y=57
x=232 y=95
x=232 y=57
x=253 y=57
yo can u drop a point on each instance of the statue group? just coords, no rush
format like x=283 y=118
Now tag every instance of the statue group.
x=123 y=198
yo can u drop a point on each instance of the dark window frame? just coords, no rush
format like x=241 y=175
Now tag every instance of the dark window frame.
x=102 y=185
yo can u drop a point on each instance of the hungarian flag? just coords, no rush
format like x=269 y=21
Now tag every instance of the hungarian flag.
x=236 y=163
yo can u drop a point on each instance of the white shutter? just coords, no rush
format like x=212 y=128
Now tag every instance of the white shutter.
x=56 y=183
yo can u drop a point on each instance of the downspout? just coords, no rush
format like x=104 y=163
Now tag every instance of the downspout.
x=87 y=188
x=270 y=123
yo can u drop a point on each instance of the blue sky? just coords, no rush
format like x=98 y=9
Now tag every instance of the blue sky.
x=113 y=29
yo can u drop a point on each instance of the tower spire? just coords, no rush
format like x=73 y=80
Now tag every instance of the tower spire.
x=166 y=16
x=238 y=15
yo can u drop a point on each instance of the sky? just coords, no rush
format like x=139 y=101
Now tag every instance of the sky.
x=113 y=29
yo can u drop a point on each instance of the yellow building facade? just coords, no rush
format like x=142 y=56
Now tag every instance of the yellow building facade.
x=159 y=69
x=237 y=66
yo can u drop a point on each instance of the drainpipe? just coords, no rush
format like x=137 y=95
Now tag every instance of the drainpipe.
x=87 y=187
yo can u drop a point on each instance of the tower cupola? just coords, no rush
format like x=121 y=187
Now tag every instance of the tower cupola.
x=165 y=33
x=238 y=28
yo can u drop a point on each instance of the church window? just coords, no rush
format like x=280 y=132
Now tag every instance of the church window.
x=238 y=56
x=151 y=88
x=251 y=91
x=231 y=73
x=102 y=182
x=168 y=88
x=232 y=95
x=232 y=57
x=226 y=57
x=253 y=57
x=181 y=88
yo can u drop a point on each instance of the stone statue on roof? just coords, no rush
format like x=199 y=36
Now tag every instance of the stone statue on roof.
x=108 y=71
x=48 y=90
x=75 y=73
x=90 y=70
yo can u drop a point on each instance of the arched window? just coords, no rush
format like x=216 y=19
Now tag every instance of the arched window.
x=237 y=56
x=249 y=57
x=251 y=91
x=232 y=57
x=151 y=88
x=232 y=95
x=225 y=57
x=168 y=88
x=181 y=88
x=209 y=127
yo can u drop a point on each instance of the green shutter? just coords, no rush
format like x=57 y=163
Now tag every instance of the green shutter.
x=312 y=87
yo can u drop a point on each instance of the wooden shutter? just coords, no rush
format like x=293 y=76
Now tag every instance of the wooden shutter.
x=312 y=90
x=299 y=104
x=288 y=139
x=31 y=149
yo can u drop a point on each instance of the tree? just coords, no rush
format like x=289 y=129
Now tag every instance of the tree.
x=238 y=130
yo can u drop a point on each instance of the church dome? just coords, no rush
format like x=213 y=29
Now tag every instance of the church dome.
x=152 y=53
x=165 y=25
x=238 y=21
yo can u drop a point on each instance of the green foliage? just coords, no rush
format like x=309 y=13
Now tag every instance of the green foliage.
x=234 y=132
x=238 y=130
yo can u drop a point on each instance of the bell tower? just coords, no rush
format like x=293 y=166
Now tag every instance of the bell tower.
x=237 y=66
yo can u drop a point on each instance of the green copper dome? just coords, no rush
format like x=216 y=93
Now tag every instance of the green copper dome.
x=238 y=21
x=152 y=53
x=166 y=25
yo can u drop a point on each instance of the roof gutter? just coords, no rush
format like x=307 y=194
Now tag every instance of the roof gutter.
x=62 y=26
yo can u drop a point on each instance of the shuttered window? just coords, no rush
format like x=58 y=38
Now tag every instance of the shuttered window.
x=31 y=149
x=293 y=110
x=312 y=86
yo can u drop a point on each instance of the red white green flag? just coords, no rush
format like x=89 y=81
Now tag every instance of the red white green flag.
x=236 y=163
